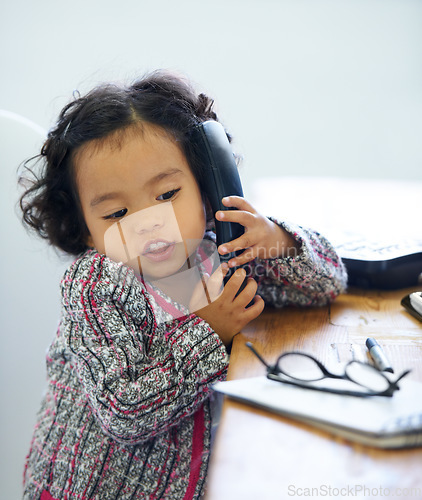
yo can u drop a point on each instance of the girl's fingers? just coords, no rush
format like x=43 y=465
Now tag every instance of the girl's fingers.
x=234 y=283
x=241 y=217
x=255 y=309
x=208 y=289
x=243 y=258
x=245 y=296
x=244 y=242
x=248 y=293
x=214 y=284
x=239 y=203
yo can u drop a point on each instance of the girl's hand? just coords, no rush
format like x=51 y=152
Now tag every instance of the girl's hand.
x=228 y=313
x=208 y=289
x=262 y=237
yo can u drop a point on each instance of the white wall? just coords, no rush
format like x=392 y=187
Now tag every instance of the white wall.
x=307 y=87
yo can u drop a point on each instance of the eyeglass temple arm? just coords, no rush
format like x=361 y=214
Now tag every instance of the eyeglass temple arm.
x=252 y=348
x=394 y=384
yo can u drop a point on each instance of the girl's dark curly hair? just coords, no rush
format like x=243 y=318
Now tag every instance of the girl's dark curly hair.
x=50 y=205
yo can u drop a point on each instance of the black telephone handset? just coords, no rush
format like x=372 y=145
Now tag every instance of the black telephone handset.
x=220 y=177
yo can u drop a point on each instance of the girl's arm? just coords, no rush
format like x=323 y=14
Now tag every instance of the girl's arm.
x=140 y=377
x=312 y=276
x=292 y=265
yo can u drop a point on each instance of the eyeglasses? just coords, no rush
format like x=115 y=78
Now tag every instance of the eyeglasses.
x=300 y=369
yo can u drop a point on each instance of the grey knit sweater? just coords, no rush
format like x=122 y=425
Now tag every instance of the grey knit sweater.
x=127 y=412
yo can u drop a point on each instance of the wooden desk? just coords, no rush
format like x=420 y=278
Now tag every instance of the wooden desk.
x=259 y=455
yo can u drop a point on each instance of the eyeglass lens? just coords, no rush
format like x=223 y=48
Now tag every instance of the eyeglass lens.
x=299 y=367
x=367 y=376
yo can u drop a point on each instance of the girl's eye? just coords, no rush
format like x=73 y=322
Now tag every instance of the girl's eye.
x=117 y=215
x=168 y=196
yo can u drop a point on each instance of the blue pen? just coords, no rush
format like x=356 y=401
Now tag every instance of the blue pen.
x=379 y=358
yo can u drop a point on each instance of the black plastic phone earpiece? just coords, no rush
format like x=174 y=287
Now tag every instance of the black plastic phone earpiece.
x=220 y=178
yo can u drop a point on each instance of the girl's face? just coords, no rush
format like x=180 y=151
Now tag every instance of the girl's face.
x=140 y=200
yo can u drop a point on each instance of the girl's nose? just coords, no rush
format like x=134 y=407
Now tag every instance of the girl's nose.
x=148 y=227
x=147 y=220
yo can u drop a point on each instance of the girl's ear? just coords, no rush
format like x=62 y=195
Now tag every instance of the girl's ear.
x=208 y=210
x=86 y=235
x=209 y=214
x=89 y=241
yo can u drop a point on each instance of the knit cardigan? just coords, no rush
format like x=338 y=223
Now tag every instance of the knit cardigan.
x=127 y=413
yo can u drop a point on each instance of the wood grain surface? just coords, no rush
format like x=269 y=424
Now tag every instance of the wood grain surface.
x=260 y=455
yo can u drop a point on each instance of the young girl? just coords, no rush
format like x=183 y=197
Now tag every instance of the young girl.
x=128 y=410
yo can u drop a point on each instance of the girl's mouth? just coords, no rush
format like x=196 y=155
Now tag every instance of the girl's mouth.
x=158 y=250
